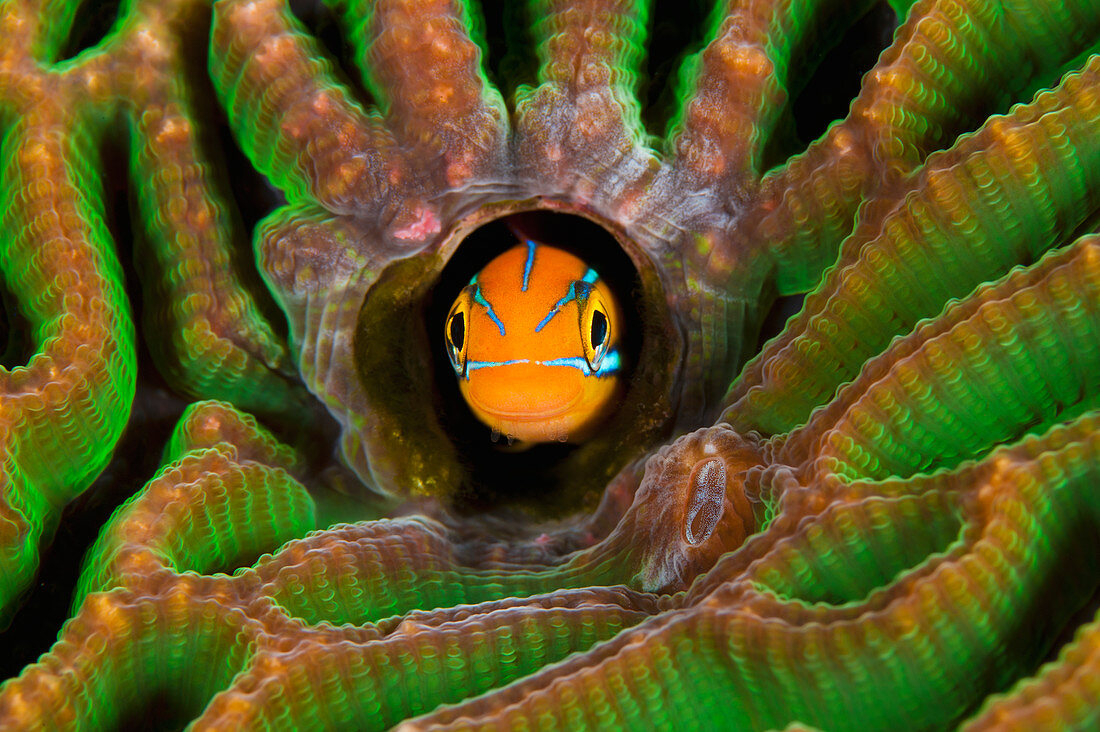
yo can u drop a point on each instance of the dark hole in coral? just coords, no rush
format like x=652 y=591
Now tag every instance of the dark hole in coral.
x=825 y=74
x=255 y=197
x=16 y=344
x=92 y=23
x=777 y=316
x=509 y=45
x=322 y=21
x=825 y=78
x=496 y=474
x=248 y=195
x=171 y=685
x=677 y=29
x=160 y=712
x=1086 y=614
x=1066 y=598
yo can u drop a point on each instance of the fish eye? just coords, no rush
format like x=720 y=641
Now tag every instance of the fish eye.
x=455 y=333
x=595 y=331
x=599 y=329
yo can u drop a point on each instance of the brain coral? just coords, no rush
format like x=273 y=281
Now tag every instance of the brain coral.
x=877 y=514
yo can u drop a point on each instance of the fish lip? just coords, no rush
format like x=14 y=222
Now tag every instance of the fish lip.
x=527 y=415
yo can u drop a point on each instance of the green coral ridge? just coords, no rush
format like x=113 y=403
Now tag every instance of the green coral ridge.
x=880 y=518
x=65 y=409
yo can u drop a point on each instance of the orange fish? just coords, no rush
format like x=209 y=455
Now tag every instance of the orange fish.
x=534 y=340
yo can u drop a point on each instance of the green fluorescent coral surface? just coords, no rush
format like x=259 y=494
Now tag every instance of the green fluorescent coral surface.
x=851 y=479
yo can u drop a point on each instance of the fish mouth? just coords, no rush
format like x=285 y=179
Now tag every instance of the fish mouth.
x=524 y=392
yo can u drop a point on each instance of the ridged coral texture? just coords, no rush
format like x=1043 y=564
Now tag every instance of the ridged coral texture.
x=226 y=233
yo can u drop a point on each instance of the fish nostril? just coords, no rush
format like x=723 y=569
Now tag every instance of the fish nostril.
x=706 y=501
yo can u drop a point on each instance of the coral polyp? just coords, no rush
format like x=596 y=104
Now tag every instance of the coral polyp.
x=877 y=515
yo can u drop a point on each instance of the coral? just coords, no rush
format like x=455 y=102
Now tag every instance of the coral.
x=877 y=519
